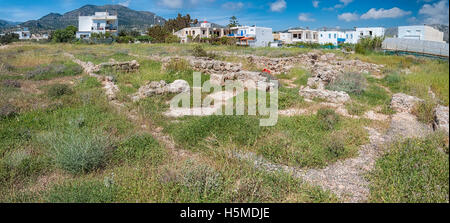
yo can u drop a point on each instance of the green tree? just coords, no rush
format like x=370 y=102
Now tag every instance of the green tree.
x=9 y=38
x=158 y=33
x=233 y=22
x=64 y=35
x=179 y=23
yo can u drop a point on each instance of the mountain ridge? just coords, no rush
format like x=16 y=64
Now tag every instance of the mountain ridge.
x=128 y=18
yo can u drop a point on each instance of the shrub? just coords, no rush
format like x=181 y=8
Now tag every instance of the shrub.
x=172 y=39
x=79 y=151
x=177 y=65
x=144 y=39
x=352 y=83
x=9 y=38
x=58 y=90
x=368 y=44
x=125 y=39
x=7 y=111
x=198 y=51
x=425 y=111
x=11 y=83
x=202 y=181
x=335 y=145
x=327 y=118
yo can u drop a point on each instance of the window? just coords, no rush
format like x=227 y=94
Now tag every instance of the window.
x=193 y=32
x=295 y=35
x=187 y=32
x=351 y=35
x=329 y=36
x=204 y=32
x=335 y=36
x=370 y=33
x=321 y=35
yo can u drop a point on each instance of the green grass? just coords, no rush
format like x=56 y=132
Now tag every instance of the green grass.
x=93 y=191
x=241 y=130
x=301 y=141
x=414 y=171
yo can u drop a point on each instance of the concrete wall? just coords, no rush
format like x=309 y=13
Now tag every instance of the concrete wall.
x=420 y=33
x=286 y=38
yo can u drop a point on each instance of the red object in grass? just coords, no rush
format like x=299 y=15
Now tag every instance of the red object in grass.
x=266 y=71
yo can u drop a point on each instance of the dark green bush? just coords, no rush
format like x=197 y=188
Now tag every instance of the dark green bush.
x=327 y=118
x=58 y=90
x=335 y=145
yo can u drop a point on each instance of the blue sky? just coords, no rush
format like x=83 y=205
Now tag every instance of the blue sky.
x=278 y=14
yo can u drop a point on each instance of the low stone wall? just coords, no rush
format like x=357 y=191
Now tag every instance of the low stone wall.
x=127 y=67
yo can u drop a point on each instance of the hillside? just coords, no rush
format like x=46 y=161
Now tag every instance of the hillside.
x=128 y=18
x=6 y=24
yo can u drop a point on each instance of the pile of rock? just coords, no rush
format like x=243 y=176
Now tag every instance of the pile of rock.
x=249 y=79
x=441 y=122
x=210 y=66
x=127 y=66
x=161 y=87
x=338 y=97
x=404 y=103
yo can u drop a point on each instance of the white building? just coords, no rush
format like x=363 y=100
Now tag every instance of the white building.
x=101 y=22
x=286 y=38
x=336 y=37
x=422 y=32
x=205 y=30
x=303 y=35
x=252 y=35
x=24 y=34
x=332 y=37
x=370 y=32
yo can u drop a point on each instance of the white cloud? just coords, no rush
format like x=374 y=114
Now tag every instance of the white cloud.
x=305 y=17
x=436 y=13
x=315 y=4
x=125 y=3
x=233 y=6
x=173 y=4
x=278 y=6
x=346 y=2
x=385 y=13
x=348 y=17
x=178 y=4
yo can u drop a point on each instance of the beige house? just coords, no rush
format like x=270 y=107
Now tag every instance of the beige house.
x=205 y=30
x=303 y=35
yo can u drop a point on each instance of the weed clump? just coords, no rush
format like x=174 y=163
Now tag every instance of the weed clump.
x=203 y=181
x=11 y=84
x=327 y=118
x=58 y=90
x=352 y=83
x=8 y=111
x=198 y=51
x=335 y=145
x=78 y=151
x=177 y=65
x=425 y=111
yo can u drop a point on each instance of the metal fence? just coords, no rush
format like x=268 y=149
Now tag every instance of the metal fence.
x=423 y=47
